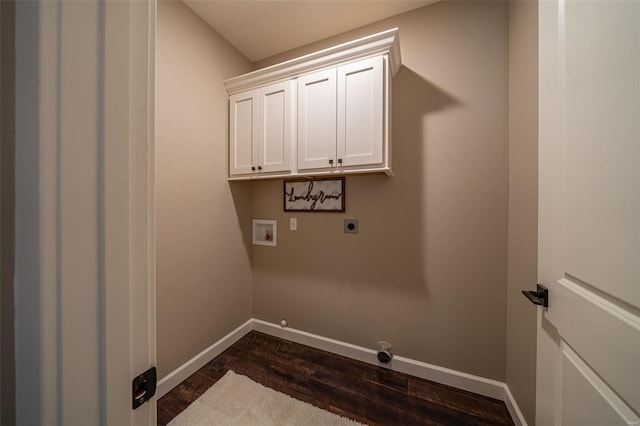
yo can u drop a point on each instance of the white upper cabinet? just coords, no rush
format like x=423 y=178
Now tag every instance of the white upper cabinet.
x=242 y=132
x=340 y=117
x=261 y=130
x=321 y=114
x=361 y=130
x=275 y=127
x=317 y=120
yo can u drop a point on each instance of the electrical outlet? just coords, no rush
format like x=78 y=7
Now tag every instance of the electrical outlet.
x=293 y=223
x=351 y=226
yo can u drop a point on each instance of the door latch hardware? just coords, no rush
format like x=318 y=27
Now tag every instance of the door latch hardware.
x=143 y=387
x=539 y=297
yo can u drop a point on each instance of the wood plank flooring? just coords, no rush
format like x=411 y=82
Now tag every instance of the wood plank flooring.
x=359 y=391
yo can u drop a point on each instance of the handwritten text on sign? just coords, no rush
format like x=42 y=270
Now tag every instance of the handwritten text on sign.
x=314 y=195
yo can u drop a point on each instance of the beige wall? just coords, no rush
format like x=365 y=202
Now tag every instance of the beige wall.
x=203 y=268
x=7 y=205
x=523 y=202
x=428 y=271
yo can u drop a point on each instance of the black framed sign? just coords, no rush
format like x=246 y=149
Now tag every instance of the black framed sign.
x=316 y=194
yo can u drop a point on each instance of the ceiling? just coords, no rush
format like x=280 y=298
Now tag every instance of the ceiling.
x=260 y=29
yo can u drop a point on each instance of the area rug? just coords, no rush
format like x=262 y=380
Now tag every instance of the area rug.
x=237 y=400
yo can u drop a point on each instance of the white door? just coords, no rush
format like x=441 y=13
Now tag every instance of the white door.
x=84 y=283
x=588 y=369
x=360 y=113
x=317 y=120
x=275 y=124
x=243 y=133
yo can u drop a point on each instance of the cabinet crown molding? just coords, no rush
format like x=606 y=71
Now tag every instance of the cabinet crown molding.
x=386 y=42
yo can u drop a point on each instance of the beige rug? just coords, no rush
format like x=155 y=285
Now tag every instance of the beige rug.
x=237 y=400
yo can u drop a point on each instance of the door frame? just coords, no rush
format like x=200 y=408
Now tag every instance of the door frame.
x=85 y=224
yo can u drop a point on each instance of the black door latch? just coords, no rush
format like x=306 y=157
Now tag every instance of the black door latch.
x=143 y=387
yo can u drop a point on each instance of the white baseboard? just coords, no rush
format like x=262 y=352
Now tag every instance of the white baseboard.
x=181 y=373
x=446 y=376
x=512 y=406
x=330 y=345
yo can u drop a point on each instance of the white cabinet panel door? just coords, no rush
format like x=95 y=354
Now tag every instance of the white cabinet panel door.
x=317 y=120
x=360 y=112
x=275 y=124
x=243 y=132
x=589 y=223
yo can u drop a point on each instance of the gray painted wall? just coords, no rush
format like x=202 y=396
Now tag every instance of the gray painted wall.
x=523 y=202
x=428 y=271
x=203 y=268
x=445 y=246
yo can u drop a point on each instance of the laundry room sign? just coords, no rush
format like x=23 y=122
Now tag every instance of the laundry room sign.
x=318 y=195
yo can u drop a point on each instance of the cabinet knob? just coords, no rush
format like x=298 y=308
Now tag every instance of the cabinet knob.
x=339 y=160
x=259 y=167
x=331 y=162
x=253 y=169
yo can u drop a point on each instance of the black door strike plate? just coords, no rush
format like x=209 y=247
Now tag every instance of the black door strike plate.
x=143 y=387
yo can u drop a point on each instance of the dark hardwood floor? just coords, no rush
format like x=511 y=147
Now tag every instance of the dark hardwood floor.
x=362 y=392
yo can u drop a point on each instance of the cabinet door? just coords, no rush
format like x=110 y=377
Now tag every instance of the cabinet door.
x=360 y=112
x=317 y=120
x=276 y=127
x=243 y=132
